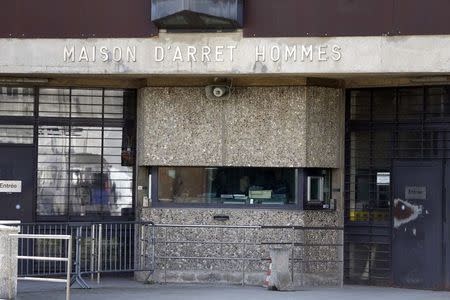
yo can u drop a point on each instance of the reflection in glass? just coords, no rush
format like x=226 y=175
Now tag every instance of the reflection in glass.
x=53 y=166
x=16 y=101
x=86 y=168
x=16 y=134
x=54 y=102
x=227 y=185
x=87 y=103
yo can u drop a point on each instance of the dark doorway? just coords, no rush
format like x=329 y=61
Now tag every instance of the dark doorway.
x=417 y=223
x=17 y=166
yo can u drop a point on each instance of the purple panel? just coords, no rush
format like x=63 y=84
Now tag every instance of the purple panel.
x=421 y=17
x=291 y=18
x=75 y=18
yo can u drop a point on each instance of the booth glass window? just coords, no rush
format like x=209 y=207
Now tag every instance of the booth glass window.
x=227 y=186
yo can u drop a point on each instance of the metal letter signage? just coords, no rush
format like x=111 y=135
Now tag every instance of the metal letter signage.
x=415 y=193
x=10 y=186
x=203 y=53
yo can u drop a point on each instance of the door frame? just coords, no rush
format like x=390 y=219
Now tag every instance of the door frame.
x=33 y=173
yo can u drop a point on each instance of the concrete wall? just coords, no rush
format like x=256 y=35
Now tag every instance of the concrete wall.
x=320 y=266
x=334 y=56
x=259 y=127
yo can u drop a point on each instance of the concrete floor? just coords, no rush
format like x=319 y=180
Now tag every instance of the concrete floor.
x=127 y=289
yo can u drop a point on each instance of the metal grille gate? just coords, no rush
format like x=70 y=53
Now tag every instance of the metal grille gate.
x=384 y=124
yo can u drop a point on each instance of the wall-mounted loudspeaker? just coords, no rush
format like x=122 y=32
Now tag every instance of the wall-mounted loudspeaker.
x=217 y=91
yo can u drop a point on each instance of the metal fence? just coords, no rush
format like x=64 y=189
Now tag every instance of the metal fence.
x=144 y=246
x=64 y=241
x=98 y=248
x=249 y=246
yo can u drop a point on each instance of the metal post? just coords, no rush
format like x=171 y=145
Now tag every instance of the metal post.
x=69 y=267
x=141 y=246
x=292 y=254
x=166 y=255
x=153 y=248
x=77 y=277
x=244 y=260
x=99 y=254
x=341 y=256
x=92 y=259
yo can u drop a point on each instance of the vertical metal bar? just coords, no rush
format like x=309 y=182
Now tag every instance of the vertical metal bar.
x=39 y=251
x=29 y=251
x=243 y=261
x=99 y=254
x=341 y=255
x=69 y=267
x=92 y=258
x=21 y=241
x=85 y=261
x=55 y=249
x=120 y=248
x=115 y=246
x=127 y=241
x=292 y=254
x=61 y=251
x=132 y=240
x=78 y=251
x=166 y=255
x=109 y=239
x=153 y=247
x=141 y=246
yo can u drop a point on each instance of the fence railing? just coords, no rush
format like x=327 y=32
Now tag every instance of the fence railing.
x=98 y=248
x=67 y=260
x=144 y=246
x=250 y=245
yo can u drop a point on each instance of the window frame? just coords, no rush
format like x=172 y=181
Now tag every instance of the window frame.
x=35 y=120
x=300 y=197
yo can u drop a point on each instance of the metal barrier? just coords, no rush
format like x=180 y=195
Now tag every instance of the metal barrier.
x=67 y=259
x=138 y=246
x=99 y=248
x=245 y=240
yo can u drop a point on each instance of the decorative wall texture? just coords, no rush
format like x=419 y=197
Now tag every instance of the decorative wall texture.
x=256 y=126
x=214 y=255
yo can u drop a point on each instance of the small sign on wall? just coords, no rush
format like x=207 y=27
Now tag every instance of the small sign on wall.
x=10 y=186
x=415 y=193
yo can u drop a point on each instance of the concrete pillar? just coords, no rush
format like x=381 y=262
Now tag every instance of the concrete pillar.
x=8 y=262
x=280 y=278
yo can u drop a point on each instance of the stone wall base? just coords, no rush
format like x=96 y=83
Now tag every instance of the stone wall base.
x=251 y=278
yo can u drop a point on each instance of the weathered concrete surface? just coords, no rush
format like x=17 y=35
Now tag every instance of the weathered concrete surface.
x=199 y=242
x=280 y=278
x=131 y=290
x=358 y=55
x=258 y=127
x=8 y=262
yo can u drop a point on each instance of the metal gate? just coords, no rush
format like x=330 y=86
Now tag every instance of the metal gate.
x=384 y=125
